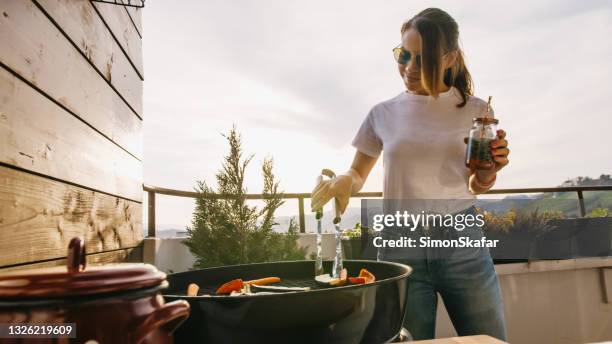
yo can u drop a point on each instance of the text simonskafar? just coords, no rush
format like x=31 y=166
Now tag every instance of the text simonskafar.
x=460 y=242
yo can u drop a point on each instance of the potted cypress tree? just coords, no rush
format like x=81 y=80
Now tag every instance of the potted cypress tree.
x=227 y=231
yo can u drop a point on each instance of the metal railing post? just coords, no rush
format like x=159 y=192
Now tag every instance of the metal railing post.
x=151 y=211
x=302 y=217
x=581 y=203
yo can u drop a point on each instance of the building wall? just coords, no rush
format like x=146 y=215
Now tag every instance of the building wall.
x=556 y=301
x=70 y=131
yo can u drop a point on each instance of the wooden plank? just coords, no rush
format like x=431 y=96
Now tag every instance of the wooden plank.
x=80 y=22
x=39 y=136
x=35 y=49
x=119 y=23
x=135 y=14
x=39 y=216
x=130 y=255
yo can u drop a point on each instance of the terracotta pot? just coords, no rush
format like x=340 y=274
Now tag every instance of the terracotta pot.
x=114 y=303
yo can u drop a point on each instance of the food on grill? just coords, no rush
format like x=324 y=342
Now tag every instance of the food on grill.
x=327 y=280
x=324 y=279
x=356 y=280
x=263 y=281
x=343 y=275
x=192 y=289
x=240 y=287
x=364 y=277
x=369 y=277
x=278 y=289
x=229 y=287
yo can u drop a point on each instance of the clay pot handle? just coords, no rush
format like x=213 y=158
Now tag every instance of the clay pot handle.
x=76 y=260
x=168 y=318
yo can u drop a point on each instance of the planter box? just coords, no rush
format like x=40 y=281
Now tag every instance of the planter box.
x=557 y=243
x=511 y=247
x=567 y=239
x=352 y=248
x=587 y=237
x=596 y=239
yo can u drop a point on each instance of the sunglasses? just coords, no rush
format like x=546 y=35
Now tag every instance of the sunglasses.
x=403 y=56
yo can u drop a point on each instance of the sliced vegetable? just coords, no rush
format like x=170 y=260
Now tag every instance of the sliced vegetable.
x=192 y=289
x=369 y=277
x=342 y=279
x=233 y=285
x=357 y=280
x=336 y=282
x=327 y=280
x=324 y=279
x=263 y=281
x=278 y=289
x=237 y=285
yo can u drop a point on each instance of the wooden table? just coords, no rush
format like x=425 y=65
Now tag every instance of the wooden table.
x=480 y=339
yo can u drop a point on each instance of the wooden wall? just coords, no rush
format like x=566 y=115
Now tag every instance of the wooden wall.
x=70 y=131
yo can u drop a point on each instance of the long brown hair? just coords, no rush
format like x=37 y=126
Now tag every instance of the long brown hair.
x=439 y=36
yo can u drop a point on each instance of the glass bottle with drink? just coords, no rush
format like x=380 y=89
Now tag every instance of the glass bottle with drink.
x=478 y=153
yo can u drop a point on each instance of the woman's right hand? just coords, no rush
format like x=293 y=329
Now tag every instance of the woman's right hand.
x=339 y=188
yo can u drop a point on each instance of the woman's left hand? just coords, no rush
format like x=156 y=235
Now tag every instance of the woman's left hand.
x=487 y=176
x=500 y=151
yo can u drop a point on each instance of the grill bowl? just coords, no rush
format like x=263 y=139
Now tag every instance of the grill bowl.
x=371 y=313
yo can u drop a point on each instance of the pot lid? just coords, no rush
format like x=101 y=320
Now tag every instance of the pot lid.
x=76 y=278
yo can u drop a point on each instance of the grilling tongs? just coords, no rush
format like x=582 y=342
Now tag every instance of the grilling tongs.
x=337 y=268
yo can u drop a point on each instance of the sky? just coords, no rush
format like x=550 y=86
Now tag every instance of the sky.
x=297 y=78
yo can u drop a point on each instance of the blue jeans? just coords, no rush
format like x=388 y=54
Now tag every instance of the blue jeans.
x=466 y=280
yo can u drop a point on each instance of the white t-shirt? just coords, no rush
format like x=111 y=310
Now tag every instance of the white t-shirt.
x=422 y=143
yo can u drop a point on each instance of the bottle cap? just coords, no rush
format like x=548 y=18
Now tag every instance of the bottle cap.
x=485 y=120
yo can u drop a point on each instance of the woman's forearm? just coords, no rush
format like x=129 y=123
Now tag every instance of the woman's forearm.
x=358 y=173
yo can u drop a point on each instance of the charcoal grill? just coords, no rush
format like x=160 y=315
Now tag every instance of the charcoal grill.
x=370 y=313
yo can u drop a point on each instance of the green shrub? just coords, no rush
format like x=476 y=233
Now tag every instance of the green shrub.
x=352 y=233
x=229 y=231
x=520 y=222
x=599 y=212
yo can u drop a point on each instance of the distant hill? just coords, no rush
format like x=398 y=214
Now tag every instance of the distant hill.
x=603 y=179
x=566 y=202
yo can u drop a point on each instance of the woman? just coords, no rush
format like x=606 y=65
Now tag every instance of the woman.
x=421 y=132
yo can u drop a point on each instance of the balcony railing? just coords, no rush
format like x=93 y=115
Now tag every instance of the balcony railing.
x=154 y=190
